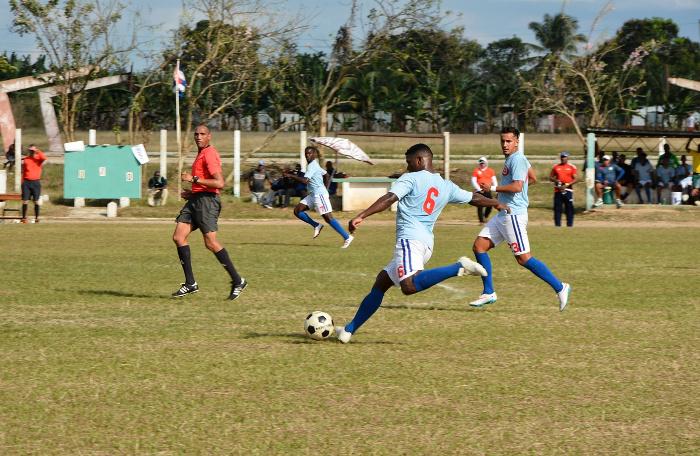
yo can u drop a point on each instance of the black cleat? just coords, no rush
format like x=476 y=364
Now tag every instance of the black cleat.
x=236 y=290
x=185 y=290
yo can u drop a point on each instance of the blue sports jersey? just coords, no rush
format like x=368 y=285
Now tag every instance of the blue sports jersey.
x=422 y=197
x=515 y=168
x=315 y=174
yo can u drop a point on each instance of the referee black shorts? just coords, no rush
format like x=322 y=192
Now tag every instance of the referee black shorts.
x=31 y=189
x=201 y=212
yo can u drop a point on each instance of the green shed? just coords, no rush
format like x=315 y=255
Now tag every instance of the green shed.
x=102 y=172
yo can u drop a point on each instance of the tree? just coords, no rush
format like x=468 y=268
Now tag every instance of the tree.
x=74 y=35
x=557 y=35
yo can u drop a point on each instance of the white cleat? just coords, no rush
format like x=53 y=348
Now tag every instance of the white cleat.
x=563 y=296
x=342 y=335
x=347 y=243
x=486 y=298
x=317 y=230
x=598 y=203
x=471 y=267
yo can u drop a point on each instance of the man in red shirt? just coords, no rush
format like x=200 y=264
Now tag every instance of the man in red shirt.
x=202 y=212
x=31 y=181
x=483 y=178
x=563 y=176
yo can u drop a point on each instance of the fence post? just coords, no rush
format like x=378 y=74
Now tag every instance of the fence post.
x=18 y=160
x=164 y=153
x=302 y=146
x=92 y=137
x=446 y=147
x=590 y=170
x=237 y=163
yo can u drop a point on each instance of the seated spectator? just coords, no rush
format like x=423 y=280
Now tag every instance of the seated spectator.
x=643 y=172
x=157 y=190
x=328 y=178
x=627 y=180
x=299 y=188
x=287 y=187
x=607 y=177
x=664 y=177
x=683 y=171
x=672 y=159
x=256 y=183
x=9 y=157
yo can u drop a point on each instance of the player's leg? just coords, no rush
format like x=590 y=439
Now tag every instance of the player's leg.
x=557 y=208
x=36 y=197
x=599 y=193
x=323 y=206
x=238 y=283
x=182 y=231
x=25 y=200
x=480 y=214
x=569 y=207
x=300 y=213
x=367 y=308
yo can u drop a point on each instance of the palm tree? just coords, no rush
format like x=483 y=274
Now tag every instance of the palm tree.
x=557 y=35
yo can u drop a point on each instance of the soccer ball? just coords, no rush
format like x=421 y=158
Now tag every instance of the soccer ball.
x=318 y=325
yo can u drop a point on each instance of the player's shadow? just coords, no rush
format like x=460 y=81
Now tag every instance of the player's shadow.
x=282 y=244
x=405 y=307
x=119 y=294
x=298 y=338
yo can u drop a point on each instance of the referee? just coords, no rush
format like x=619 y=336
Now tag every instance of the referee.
x=563 y=176
x=202 y=212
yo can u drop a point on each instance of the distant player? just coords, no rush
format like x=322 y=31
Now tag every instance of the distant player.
x=317 y=198
x=31 y=181
x=202 y=212
x=422 y=194
x=512 y=227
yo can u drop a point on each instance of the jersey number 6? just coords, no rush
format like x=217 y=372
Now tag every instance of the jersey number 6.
x=429 y=204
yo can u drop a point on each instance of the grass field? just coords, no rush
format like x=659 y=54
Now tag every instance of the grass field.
x=96 y=359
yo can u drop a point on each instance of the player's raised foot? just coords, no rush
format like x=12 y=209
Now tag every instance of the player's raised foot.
x=347 y=242
x=342 y=335
x=598 y=202
x=564 y=296
x=484 y=299
x=237 y=289
x=317 y=230
x=186 y=289
x=471 y=267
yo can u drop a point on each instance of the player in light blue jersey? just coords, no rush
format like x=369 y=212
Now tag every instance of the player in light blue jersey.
x=512 y=227
x=422 y=194
x=317 y=198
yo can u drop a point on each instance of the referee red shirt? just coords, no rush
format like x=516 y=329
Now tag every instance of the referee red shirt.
x=31 y=166
x=205 y=166
x=564 y=174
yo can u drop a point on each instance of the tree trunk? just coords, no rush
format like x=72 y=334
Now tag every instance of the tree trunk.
x=323 y=120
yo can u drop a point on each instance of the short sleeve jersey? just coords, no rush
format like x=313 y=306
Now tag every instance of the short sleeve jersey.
x=665 y=174
x=695 y=156
x=422 y=197
x=484 y=176
x=315 y=174
x=564 y=174
x=644 y=170
x=205 y=166
x=31 y=167
x=515 y=169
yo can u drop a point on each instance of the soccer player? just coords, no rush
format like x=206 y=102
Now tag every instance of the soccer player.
x=202 y=212
x=422 y=195
x=31 y=181
x=512 y=227
x=317 y=198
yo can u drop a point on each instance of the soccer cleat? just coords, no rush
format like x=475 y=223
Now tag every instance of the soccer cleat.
x=24 y=220
x=598 y=202
x=267 y=206
x=185 y=289
x=471 y=267
x=236 y=290
x=342 y=335
x=347 y=242
x=486 y=298
x=619 y=203
x=317 y=230
x=564 y=296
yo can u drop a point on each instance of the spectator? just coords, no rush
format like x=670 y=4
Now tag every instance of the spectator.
x=328 y=178
x=636 y=159
x=695 y=191
x=643 y=171
x=31 y=181
x=607 y=176
x=690 y=123
x=9 y=157
x=483 y=180
x=299 y=187
x=684 y=170
x=664 y=177
x=286 y=187
x=672 y=159
x=627 y=180
x=157 y=190
x=256 y=184
x=563 y=176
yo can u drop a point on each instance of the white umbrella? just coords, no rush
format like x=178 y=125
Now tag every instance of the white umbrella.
x=343 y=146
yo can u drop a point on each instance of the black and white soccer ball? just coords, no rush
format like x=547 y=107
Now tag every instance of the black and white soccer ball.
x=319 y=325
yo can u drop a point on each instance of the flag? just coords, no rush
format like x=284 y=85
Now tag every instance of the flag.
x=179 y=79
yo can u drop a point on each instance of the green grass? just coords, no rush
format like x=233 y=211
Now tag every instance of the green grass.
x=96 y=359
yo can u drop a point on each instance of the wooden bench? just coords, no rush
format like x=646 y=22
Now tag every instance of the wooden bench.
x=359 y=192
x=9 y=197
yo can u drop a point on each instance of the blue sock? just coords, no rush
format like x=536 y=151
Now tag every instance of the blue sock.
x=484 y=260
x=429 y=277
x=542 y=271
x=336 y=226
x=304 y=217
x=367 y=308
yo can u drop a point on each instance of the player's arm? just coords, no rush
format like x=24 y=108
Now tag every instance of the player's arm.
x=383 y=203
x=303 y=180
x=531 y=176
x=513 y=187
x=480 y=200
x=216 y=181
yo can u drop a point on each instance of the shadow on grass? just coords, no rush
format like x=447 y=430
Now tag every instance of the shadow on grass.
x=287 y=244
x=119 y=294
x=405 y=307
x=299 y=338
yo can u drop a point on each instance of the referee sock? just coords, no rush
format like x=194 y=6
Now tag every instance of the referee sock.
x=484 y=260
x=183 y=252
x=225 y=260
x=429 y=277
x=24 y=211
x=542 y=271
x=304 y=217
x=36 y=211
x=339 y=228
x=367 y=308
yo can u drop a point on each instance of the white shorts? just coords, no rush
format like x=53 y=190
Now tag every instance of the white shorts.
x=321 y=203
x=410 y=257
x=509 y=228
x=644 y=181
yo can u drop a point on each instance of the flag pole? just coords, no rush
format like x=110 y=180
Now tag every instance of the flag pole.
x=177 y=132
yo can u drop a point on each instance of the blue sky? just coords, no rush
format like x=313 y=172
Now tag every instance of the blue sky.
x=483 y=20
